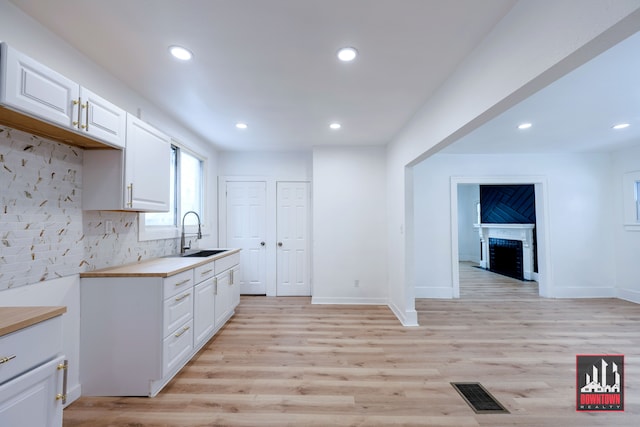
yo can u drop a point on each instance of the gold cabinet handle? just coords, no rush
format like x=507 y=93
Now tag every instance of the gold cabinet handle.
x=206 y=272
x=215 y=283
x=180 y=298
x=64 y=366
x=185 y=329
x=183 y=282
x=130 y=191
x=6 y=359
x=86 y=123
x=76 y=123
x=82 y=107
x=231 y=277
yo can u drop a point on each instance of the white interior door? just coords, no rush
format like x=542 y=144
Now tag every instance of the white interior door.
x=293 y=258
x=246 y=229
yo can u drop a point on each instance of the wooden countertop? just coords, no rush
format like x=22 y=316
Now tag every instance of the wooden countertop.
x=16 y=318
x=157 y=267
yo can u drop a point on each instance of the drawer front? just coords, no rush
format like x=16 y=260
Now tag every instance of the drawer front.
x=204 y=272
x=227 y=262
x=178 y=309
x=179 y=283
x=29 y=347
x=177 y=347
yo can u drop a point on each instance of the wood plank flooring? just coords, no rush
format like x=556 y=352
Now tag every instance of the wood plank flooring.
x=285 y=362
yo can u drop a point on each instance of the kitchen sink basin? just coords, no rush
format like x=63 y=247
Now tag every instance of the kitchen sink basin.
x=205 y=253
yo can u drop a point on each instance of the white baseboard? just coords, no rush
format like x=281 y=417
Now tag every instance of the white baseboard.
x=349 y=300
x=436 y=293
x=406 y=318
x=73 y=394
x=582 y=293
x=629 y=295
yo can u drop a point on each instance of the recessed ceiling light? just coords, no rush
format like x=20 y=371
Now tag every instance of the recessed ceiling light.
x=335 y=126
x=621 y=126
x=241 y=125
x=523 y=126
x=180 y=53
x=347 y=54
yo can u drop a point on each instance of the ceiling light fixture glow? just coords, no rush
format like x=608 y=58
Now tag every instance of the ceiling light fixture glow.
x=335 y=126
x=180 y=53
x=621 y=126
x=523 y=126
x=347 y=54
x=241 y=125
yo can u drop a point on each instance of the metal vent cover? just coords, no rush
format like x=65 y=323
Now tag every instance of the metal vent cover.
x=480 y=400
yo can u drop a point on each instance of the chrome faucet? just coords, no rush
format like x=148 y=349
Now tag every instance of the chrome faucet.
x=198 y=234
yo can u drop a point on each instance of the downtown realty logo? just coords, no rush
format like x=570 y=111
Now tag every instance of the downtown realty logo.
x=600 y=382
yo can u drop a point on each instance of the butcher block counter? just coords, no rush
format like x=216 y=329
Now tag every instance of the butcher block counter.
x=157 y=267
x=15 y=318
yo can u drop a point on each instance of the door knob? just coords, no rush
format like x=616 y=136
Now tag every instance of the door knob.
x=280 y=244
x=262 y=243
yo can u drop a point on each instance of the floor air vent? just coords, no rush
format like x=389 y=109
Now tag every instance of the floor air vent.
x=479 y=399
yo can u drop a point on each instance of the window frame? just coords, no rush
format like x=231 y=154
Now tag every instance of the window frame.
x=631 y=200
x=147 y=232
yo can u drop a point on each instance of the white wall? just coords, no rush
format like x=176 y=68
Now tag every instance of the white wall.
x=627 y=242
x=536 y=43
x=349 y=217
x=578 y=199
x=468 y=236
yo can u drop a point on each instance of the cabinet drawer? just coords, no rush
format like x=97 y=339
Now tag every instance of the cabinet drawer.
x=177 y=347
x=204 y=272
x=227 y=262
x=178 y=309
x=30 y=347
x=179 y=283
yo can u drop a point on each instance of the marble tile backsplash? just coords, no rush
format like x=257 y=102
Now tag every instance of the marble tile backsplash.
x=44 y=234
x=118 y=244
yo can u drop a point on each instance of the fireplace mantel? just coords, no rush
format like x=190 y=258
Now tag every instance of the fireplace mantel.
x=521 y=232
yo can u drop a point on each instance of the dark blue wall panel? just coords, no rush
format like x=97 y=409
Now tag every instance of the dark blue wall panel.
x=507 y=204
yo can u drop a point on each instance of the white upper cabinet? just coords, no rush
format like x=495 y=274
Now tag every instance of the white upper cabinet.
x=147 y=167
x=101 y=119
x=134 y=179
x=30 y=87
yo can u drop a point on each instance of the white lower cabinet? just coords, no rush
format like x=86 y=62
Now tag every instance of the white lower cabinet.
x=32 y=373
x=138 y=332
x=204 y=311
x=34 y=398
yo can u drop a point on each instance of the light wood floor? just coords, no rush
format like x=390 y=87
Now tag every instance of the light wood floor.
x=285 y=362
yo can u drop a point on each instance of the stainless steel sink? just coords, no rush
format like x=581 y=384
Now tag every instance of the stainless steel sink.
x=205 y=253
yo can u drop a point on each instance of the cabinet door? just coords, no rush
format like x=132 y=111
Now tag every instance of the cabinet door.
x=31 y=399
x=32 y=88
x=147 y=163
x=204 y=311
x=222 y=299
x=102 y=119
x=234 y=284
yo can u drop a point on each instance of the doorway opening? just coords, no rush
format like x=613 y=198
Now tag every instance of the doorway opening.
x=471 y=241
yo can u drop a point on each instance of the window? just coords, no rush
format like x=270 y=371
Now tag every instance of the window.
x=187 y=176
x=631 y=202
x=637 y=201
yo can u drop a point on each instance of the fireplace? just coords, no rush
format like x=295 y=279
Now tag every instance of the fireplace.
x=505 y=257
x=508 y=249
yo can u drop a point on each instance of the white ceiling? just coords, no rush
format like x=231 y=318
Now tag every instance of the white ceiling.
x=272 y=64
x=574 y=114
